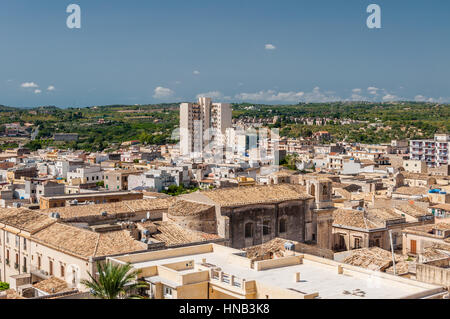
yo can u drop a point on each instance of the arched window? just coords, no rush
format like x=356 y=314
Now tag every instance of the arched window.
x=266 y=227
x=283 y=226
x=249 y=230
x=325 y=190
x=313 y=190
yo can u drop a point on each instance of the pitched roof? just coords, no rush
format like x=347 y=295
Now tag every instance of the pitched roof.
x=412 y=210
x=373 y=258
x=274 y=246
x=52 y=285
x=412 y=190
x=172 y=234
x=229 y=197
x=354 y=218
x=84 y=243
x=113 y=209
x=24 y=219
x=185 y=208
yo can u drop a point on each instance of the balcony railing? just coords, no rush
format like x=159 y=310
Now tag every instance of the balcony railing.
x=227 y=278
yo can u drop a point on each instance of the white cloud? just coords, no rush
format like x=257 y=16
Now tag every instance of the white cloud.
x=269 y=46
x=163 y=93
x=212 y=94
x=372 y=90
x=29 y=85
x=37 y=91
x=358 y=97
x=390 y=97
x=51 y=88
x=271 y=96
x=196 y=72
x=356 y=90
x=421 y=98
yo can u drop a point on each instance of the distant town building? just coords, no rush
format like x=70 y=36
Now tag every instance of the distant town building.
x=65 y=137
x=433 y=152
x=198 y=118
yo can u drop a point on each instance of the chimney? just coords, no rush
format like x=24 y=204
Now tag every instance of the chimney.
x=297 y=277
x=340 y=270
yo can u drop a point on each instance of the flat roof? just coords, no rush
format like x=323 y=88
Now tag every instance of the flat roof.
x=318 y=275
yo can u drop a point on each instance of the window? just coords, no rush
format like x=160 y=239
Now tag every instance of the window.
x=17 y=241
x=167 y=292
x=50 y=267
x=248 y=230
x=313 y=190
x=357 y=243
x=324 y=190
x=24 y=264
x=282 y=225
x=7 y=237
x=24 y=243
x=266 y=227
x=39 y=262
x=7 y=257
x=62 y=271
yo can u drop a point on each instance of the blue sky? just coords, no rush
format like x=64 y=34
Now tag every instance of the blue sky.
x=285 y=51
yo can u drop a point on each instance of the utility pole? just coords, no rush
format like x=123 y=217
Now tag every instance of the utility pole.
x=392 y=249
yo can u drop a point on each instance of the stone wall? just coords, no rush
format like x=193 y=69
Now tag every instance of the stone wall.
x=292 y=213
x=433 y=275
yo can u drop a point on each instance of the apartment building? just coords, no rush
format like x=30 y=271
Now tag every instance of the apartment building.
x=198 y=118
x=86 y=175
x=415 y=166
x=117 y=180
x=156 y=179
x=434 y=152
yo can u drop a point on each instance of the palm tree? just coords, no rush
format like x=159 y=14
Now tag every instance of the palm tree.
x=114 y=281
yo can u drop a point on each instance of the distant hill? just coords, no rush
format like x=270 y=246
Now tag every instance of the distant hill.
x=4 y=108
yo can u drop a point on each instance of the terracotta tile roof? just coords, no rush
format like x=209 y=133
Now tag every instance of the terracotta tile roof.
x=373 y=258
x=436 y=252
x=412 y=210
x=11 y=294
x=413 y=190
x=354 y=219
x=228 y=197
x=274 y=246
x=426 y=230
x=84 y=243
x=113 y=209
x=52 y=285
x=172 y=234
x=24 y=219
x=383 y=214
x=185 y=208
